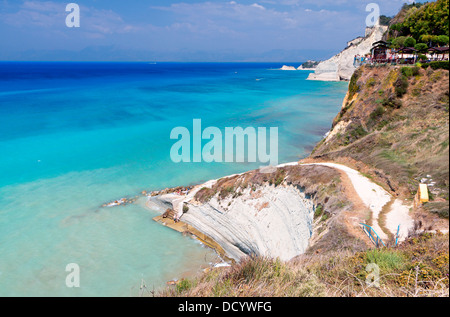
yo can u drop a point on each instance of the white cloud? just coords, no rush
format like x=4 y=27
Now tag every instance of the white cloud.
x=255 y=5
x=211 y=25
x=51 y=15
x=261 y=27
x=38 y=14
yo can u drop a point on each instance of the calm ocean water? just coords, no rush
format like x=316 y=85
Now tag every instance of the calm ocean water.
x=76 y=135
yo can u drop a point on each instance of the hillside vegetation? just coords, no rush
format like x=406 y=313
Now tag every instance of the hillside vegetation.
x=420 y=26
x=417 y=20
x=394 y=128
x=395 y=120
x=419 y=267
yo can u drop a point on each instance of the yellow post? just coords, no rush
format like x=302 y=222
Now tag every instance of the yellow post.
x=423 y=193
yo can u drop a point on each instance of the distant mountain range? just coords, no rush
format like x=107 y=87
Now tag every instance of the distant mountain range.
x=112 y=53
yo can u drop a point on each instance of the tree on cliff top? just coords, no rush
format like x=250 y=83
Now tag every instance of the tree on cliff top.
x=418 y=21
x=431 y=18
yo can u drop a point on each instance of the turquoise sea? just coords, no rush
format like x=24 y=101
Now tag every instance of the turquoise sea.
x=74 y=136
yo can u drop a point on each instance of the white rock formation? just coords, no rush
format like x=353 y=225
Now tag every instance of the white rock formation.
x=341 y=66
x=288 y=68
x=271 y=221
x=355 y=41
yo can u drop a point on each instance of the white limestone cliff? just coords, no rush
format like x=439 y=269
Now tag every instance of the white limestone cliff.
x=341 y=66
x=272 y=221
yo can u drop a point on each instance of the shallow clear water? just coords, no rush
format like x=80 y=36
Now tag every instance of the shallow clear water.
x=76 y=135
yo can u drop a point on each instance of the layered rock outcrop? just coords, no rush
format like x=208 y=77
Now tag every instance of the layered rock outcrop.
x=272 y=221
x=264 y=214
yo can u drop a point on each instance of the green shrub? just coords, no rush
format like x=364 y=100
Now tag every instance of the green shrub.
x=387 y=260
x=324 y=217
x=224 y=192
x=406 y=71
x=183 y=285
x=422 y=57
x=410 y=71
x=318 y=211
x=437 y=65
x=391 y=102
x=382 y=124
x=358 y=132
x=440 y=65
x=438 y=208
x=371 y=82
x=410 y=42
x=421 y=47
x=401 y=85
x=415 y=70
x=353 y=87
x=377 y=112
x=279 y=178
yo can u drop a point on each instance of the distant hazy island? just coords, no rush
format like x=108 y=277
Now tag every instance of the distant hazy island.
x=309 y=65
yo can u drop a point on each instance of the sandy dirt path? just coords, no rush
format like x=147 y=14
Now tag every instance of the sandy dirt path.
x=399 y=215
x=375 y=197
x=372 y=196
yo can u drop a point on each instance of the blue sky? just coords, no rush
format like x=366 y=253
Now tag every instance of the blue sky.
x=183 y=30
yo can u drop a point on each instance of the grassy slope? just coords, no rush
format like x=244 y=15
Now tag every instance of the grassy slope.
x=398 y=127
x=399 y=136
x=419 y=267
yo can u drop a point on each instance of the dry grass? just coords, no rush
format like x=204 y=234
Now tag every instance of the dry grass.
x=419 y=267
x=252 y=277
x=407 y=139
x=337 y=239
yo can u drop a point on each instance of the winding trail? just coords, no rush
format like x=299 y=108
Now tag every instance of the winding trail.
x=375 y=197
